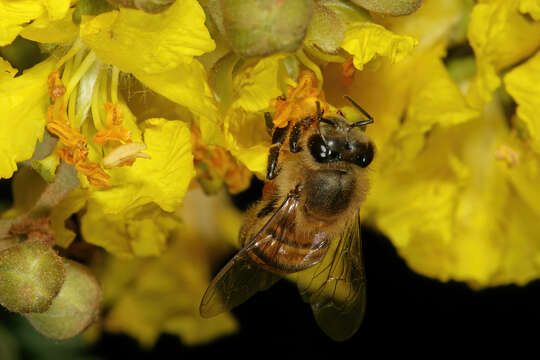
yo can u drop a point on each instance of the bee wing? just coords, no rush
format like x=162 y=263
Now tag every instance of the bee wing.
x=242 y=278
x=335 y=288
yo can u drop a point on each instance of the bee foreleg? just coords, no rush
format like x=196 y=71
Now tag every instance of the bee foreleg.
x=277 y=139
x=296 y=133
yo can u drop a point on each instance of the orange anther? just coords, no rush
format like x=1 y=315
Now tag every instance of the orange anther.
x=301 y=101
x=55 y=87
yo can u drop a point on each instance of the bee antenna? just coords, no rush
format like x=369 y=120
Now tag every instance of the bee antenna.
x=319 y=120
x=364 y=112
x=319 y=111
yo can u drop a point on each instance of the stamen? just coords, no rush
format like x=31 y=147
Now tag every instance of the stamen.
x=74 y=151
x=94 y=173
x=77 y=45
x=300 y=102
x=79 y=72
x=94 y=107
x=114 y=130
x=55 y=86
x=114 y=84
x=72 y=102
x=507 y=154
x=125 y=155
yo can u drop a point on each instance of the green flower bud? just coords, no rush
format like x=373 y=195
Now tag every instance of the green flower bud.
x=31 y=275
x=326 y=29
x=390 y=7
x=74 y=309
x=263 y=27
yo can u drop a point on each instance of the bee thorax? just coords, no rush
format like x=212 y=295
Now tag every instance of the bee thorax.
x=328 y=193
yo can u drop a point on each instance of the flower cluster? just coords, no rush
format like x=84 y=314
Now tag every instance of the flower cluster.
x=128 y=110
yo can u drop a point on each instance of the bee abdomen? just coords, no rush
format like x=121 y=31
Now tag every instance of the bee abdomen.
x=286 y=254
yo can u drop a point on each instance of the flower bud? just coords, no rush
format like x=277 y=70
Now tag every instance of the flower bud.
x=74 y=309
x=390 y=7
x=263 y=27
x=326 y=29
x=31 y=275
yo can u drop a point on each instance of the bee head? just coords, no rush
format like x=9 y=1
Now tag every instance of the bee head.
x=337 y=140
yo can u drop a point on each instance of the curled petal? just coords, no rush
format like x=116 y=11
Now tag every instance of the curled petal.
x=366 y=40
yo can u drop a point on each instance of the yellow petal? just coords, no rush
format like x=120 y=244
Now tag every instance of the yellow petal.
x=57 y=9
x=185 y=85
x=523 y=84
x=259 y=84
x=16 y=14
x=365 y=41
x=163 y=179
x=7 y=71
x=45 y=30
x=246 y=138
x=69 y=205
x=23 y=111
x=134 y=41
x=525 y=176
x=456 y=192
x=496 y=34
x=520 y=262
x=531 y=7
x=142 y=231
x=522 y=251
x=435 y=99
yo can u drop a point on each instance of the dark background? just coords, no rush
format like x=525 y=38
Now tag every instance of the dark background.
x=402 y=308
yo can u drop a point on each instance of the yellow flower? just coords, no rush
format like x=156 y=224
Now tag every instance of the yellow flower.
x=146 y=108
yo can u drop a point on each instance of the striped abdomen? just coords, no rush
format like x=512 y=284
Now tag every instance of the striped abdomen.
x=280 y=247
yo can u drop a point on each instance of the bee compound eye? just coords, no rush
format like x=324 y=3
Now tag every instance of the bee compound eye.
x=320 y=150
x=365 y=155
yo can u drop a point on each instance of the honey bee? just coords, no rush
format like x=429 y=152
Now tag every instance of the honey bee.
x=307 y=224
